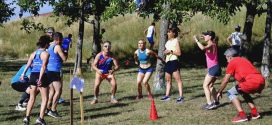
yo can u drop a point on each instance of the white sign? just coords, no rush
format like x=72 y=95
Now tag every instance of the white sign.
x=77 y=83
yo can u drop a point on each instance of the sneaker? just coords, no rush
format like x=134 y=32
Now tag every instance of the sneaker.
x=61 y=100
x=114 y=100
x=216 y=104
x=26 y=121
x=54 y=114
x=19 y=107
x=47 y=111
x=255 y=116
x=94 y=101
x=165 y=98
x=180 y=100
x=40 y=121
x=208 y=106
x=24 y=104
x=239 y=118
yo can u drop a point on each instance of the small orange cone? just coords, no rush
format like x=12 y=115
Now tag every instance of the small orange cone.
x=153 y=111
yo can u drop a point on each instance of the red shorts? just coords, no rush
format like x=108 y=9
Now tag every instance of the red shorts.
x=252 y=84
x=103 y=76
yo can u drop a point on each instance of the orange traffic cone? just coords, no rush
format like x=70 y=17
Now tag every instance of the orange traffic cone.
x=153 y=111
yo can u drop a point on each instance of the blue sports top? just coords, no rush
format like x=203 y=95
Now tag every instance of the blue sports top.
x=55 y=62
x=37 y=61
x=104 y=64
x=16 y=77
x=143 y=57
x=65 y=43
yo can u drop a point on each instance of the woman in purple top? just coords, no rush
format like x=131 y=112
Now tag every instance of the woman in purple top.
x=213 y=69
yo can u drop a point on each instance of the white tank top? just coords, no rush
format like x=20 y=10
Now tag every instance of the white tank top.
x=171 y=45
x=150 y=31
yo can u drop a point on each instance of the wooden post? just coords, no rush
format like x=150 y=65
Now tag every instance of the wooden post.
x=71 y=101
x=81 y=108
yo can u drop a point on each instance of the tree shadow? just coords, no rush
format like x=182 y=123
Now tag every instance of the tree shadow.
x=118 y=105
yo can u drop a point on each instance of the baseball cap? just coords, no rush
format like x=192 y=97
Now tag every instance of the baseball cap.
x=231 y=52
x=210 y=33
x=50 y=30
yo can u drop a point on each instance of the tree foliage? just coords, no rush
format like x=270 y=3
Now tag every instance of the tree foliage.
x=6 y=11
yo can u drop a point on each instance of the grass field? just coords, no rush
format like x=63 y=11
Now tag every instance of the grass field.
x=130 y=111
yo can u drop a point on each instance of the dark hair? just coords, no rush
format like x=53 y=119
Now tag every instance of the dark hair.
x=58 y=35
x=103 y=30
x=153 y=23
x=43 y=41
x=107 y=42
x=237 y=28
x=174 y=30
x=70 y=35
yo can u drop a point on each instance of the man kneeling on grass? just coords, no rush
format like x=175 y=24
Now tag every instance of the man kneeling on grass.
x=249 y=81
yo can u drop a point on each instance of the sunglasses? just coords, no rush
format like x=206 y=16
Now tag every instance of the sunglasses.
x=107 y=46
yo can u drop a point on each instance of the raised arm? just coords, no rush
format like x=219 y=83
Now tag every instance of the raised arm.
x=202 y=47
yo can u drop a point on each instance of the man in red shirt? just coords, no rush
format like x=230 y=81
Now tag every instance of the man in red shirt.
x=249 y=81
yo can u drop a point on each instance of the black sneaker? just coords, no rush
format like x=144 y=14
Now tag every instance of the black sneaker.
x=165 y=98
x=180 y=100
x=47 y=111
x=208 y=106
x=216 y=104
x=40 y=121
x=26 y=121
x=54 y=114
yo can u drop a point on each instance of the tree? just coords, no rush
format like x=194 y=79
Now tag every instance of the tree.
x=267 y=40
x=6 y=11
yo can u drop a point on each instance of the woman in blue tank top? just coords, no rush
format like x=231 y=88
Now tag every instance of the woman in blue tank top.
x=38 y=78
x=54 y=68
x=105 y=65
x=142 y=58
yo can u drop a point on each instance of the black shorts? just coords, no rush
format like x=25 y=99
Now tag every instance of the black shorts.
x=34 y=77
x=53 y=76
x=19 y=86
x=171 y=66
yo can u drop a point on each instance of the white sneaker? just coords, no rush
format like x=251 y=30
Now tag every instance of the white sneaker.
x=20 y=108
x=24 y=104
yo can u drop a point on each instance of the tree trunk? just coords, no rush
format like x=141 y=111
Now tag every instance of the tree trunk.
x=250 y=15
x=78 y=62
x=96 y=41
x=159 y=79
x=267 y=39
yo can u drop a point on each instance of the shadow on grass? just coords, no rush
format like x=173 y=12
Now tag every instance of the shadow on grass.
x=266 y=113
x=118 y=105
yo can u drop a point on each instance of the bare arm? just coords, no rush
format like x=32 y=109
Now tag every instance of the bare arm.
x=44 y=58
x=177 y=51
x=116 y=66
x=94 y=64
x=29 y=62
x=60 y=53
x=223 y=85
x=136 y=57
x=202 y=47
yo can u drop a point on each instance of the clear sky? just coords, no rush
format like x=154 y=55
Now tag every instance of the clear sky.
x=46 y=8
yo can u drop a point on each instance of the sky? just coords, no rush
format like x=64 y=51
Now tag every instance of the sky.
x=45 y=9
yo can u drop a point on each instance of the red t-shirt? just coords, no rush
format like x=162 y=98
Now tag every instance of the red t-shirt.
x=249 y=78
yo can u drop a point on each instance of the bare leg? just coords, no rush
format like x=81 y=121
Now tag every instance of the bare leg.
x=57 y=87
x=44 y=94
x=168 y=83
x=206 y=88
x=145 y=82
x=176 y=75
x=140 y=78
x=31 y=100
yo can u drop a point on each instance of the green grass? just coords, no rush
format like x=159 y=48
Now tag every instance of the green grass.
x=130 y=111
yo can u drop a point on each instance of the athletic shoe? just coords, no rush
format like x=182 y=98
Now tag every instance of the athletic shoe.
x=40 y=121
x=216 y=104
x=114 y=100
x=255 y=116
x=19 y=107
x=180 y=100
x=239 y=118
x=47 y=111
x=24 y=104
x=165 y=98
x=26 y=121
x=61 y=100
x=94 y=101
x=208 y=106
x=54 y=114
